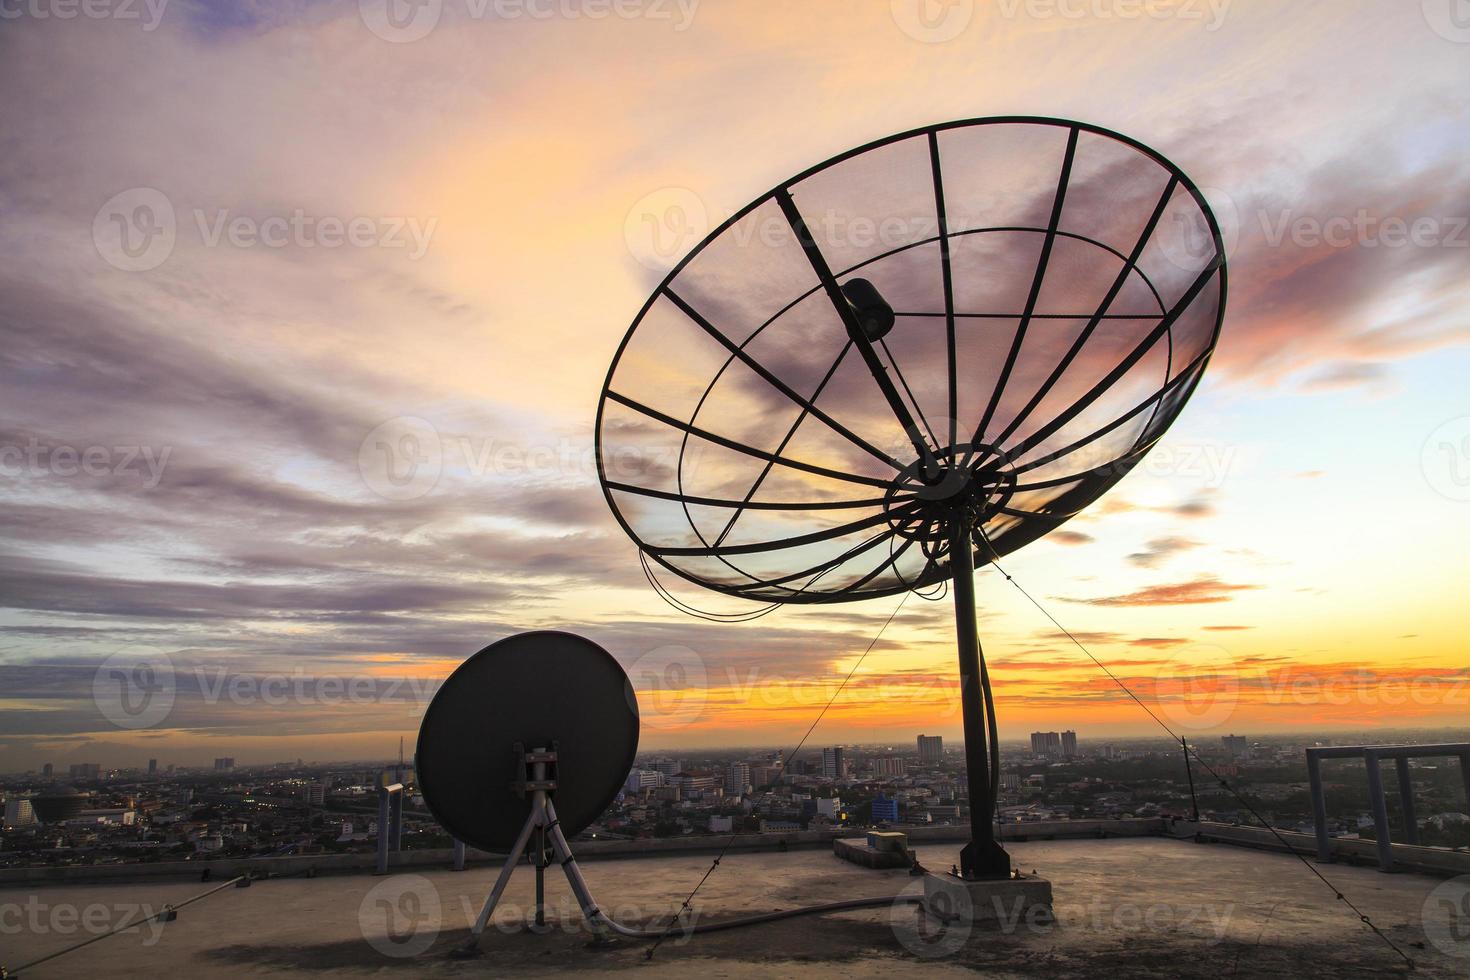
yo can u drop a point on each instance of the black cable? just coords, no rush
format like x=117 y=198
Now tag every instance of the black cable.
x=161 y=914
x=1207 y=767
x=764 y=917
x=785 y=758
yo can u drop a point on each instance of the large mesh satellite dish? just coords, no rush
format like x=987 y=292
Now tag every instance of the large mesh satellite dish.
x=919 y=355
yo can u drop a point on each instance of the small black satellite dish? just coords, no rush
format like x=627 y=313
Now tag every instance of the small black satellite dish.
x=539 y=690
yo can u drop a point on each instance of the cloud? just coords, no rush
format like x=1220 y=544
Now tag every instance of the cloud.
x=1158 y=550
x=1070 y=537
x=1207 y=589
x=1200 y=505
x=1347 y=374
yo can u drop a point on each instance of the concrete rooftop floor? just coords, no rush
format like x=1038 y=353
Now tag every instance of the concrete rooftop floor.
x=1132 y=907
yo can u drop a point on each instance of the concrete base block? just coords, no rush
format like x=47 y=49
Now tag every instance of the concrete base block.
x=948 y=898
x=860 y=852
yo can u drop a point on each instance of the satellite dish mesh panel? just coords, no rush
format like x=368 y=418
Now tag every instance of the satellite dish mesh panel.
x=1042 y=297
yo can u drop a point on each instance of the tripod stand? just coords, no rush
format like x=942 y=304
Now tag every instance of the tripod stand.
x=537 y=769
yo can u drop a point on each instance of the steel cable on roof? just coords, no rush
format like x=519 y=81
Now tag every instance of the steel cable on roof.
x=1194 y=753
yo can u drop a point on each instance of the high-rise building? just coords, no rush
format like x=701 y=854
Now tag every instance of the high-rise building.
x=19 y=813
x=1236 y=746
x=316 y=794
x=669 y=767
x=152 y=767
x=737 y=778
x=86 y=770
x=1046 y=745
x=1069 y=745
x=885 y=809
x=48 y=770
x=931 y=749
x=834 y=765
x=224 y=764
x=887 y=765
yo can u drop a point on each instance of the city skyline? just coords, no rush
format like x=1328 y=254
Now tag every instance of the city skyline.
x=197 y=473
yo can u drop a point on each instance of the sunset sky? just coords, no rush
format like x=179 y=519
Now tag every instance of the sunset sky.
x=237 y=240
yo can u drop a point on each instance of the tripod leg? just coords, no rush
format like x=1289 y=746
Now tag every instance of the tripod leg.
x=535 y=820
x=540 y=914
x=563 y=851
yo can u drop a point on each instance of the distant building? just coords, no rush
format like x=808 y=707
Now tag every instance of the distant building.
x=778 y=826
x=152 y=767
x=888 y=765
x=669 y=767
x=1046 y=745
x=19 y=813
x=119 y=816
x=641 y=779
x=48 y=770
x=86 y=770
x=224 y=764
x=737 y=778
x=834 y=763
x=692 y=783
x=765 y=773
x=885 y=809
x=721 y=825
x=316 y=794
x=829 y=807
x=931 y=749
x=1069 y=745
x=1236 y=746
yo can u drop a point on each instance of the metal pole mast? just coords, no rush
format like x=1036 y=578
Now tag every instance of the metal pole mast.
x=983 y=857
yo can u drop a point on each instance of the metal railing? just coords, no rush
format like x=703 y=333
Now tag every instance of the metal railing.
x=1373 y=756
